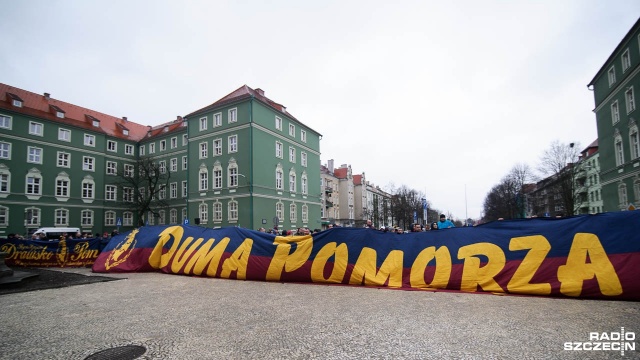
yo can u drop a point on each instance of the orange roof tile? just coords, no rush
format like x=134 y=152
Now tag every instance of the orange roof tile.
x=340 y=173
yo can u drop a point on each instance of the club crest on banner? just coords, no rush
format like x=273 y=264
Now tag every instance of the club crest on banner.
x=122 y=251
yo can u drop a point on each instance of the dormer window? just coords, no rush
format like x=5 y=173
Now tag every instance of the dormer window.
x=125 y=132
x=96 y=123
x=60 y=114
x=15 y=100
x=165 y=129
x=57 y=111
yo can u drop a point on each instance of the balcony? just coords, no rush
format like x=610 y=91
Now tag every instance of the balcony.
x=328 y=204
x=328 y=189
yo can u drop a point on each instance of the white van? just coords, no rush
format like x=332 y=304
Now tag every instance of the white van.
x=54 y=233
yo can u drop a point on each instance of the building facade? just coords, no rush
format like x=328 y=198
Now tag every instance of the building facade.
x=241 y=161
x=615 y=87
x=330 y=210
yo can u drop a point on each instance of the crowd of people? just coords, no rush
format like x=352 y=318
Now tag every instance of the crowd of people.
x=64 y=236
x=444 y=223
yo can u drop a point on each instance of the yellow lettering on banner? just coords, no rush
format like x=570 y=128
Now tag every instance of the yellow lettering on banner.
x=289 y=262
x=83 y=252
x=238 y=261
x=442 y=272
x=573 y=274
x=157 y=259
x=340 y=261
x=183 y=254
x=365 y=268
x=521 y=280
x=207 y=256
x=474 y=275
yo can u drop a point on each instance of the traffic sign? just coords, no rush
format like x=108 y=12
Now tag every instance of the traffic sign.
x=186 y=221
x=119 y=221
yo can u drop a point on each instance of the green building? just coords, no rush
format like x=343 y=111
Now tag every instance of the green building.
x=240 y=161
x=614 y=87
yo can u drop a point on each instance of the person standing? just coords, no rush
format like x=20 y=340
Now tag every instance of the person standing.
x=445 y=223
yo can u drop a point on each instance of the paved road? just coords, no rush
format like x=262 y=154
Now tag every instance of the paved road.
x=179 y=317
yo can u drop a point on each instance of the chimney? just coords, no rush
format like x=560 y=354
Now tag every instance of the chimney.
x=179 y=118
x=47 y=96
x=260 y=91
x=330 y=166
x=124 y=119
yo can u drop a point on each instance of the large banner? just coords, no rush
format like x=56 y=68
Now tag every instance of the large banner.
x=35 y=253
x=591 y=256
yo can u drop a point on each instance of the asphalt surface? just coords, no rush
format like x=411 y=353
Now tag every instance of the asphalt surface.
x=180 y=317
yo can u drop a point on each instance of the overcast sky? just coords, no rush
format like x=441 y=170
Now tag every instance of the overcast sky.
x=440 y=96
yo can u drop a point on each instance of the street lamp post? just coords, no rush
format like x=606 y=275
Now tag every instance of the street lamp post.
x=250 y=200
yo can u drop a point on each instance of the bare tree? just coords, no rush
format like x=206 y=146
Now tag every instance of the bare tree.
x=560 y=163
x=507 y=200
x=144 y=185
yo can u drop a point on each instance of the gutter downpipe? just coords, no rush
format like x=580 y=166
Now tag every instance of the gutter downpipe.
x=251 y=163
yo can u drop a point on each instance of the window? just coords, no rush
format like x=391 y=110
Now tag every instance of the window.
x=185 y=140
x=233 y=174
x=163 y=167
x=5 y=150
x=89 y=140
x=626 y=60
x=184 y=189
x=631 y=102
x=279 y=177
x=173 y=190
x=233 y=143
x=279 y=149
x=87 y=188
x=64 y=135
x=174 y=142
x=217 y=147
x=292 y=130
x=618 y=150
x=141 y=150
x=112 y=146
x=612 y=76
x=615 y=112
x=174 y=164
x=33 y=216
x=163 y=145
x=112 y=168
x=5 y=122
x=34 y=155
x=152 y=148
x=303 y=136
x=125 y=132
x=634 y=141
x=142 y=193
x=162 y=194
x=87 y=217
x=303 y=159
x=127 y=194
x=203 y=210
x=17 y=103
x=110 y=218
x=293 y=213
x=636 y=189
x=128 y=170
x=184 y=214
x=62 y=186
x=127 y=218
x=35 y=128
x=96 y=123
x=292 y=154
x=203 y=150
x=204 y=178
x=162 y=217
x=87 y=163
x=5 y=181
x=111 y=193
x=622 y=195
x=233 y=210
x=128 y=149
x=292 y=181
x=217 y=212
x=217 y=176
x=233 y=115
x=62 y=217
x=303 y=184
x=203 y=123
x=4 y=216
x=280 y=211
x=305 y=213
x=217 y=119
x=60 y=114
x=173 y=216
x=278 y=123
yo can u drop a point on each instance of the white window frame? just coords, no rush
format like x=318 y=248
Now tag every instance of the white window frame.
x=279 y=149
x=203 y=179
x=305 y=213
x=162 y=217
x=163 y=145
x=618 y=147
x=303 y=159
x=61 y=217
x=278 y=123
x=217 y=119
x=5 y=150
x=127 y=194
x=303 y=136
x=128 y=149
x=112 y=146
x=184 y=189
x=233 y=210
x=615 y=112
x=217 y=212
x=292 y=130
x=611 y=74
x=5 y=121
x=204 y=150
x=293 y=213
x=36 y=128
x=88 y=189
x=110 y=218
x=292 y=181
x=174 y=142
x=232 y=174
x=88 y=163
x=185 y=162
x=63 y=187
x=5 y=181
x=152 y=148
x=217 y=147
x=203 y=212
x=162 y=167
x=110 y=193
x=280 y=210
x=630 y=99
x=64 y=134
x=34 y=155
x=185 y=139
x=217 y=176
x=279 y=178
x=634 y=142
x=304 y=184
x=173 y=190
x=63 y=159
x=626 y=60
x=232 y=115
x=173 y=216
x=112 y=168
x=141 y=150
x=203 y=123
x=233 y=144
x=128 y=170
x=34 y=219
x=173 y=167
x=86 y=218
x=17 y=103
x=127 y=218
x=292 y=154
x=89 y=140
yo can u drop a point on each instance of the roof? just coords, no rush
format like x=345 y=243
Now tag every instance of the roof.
x=357 y=179
x=40 y=106
x=245 y=92
x=340 y=173
x=615 y=51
